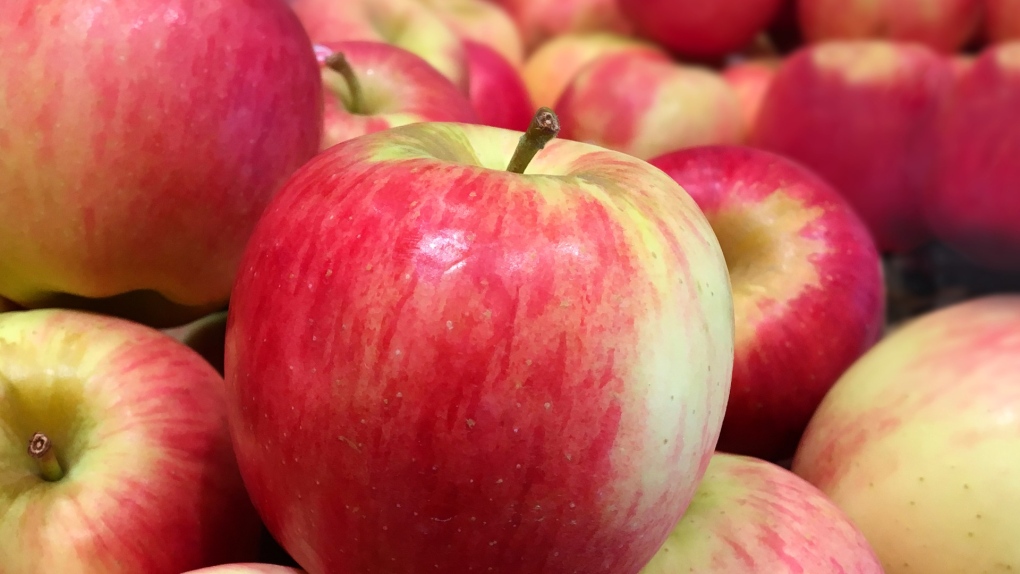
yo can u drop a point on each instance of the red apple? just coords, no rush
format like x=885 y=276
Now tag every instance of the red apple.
x=863 y=115
x=943 y=25
x=126 y=155
x=483 y=22
x=800 y=262
x=1001 y=20
x=408 y=24
x=646 y=107
x=129 y=466
x=373 y=86
x=917 y=442
x=497 y=91
x=467 y=369
x=974 y=204
x=551 y=67
x=700 y=29
x=749 y=515
x=247 y=568
x=750 y=80
x=541 y=21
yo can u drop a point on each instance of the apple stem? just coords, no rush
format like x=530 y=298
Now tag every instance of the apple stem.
x=339 y=64
x=544 y=127
x=41 y=449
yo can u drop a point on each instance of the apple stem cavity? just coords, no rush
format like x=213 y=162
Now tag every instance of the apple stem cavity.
x=339 y=64
x=41 y=449
x=544 y=127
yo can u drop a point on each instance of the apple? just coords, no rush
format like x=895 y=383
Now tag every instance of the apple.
x=916 y=441
x=943 y=25
x=115 y=455
x=550 y=68
x=646 y=107
x=699 y=29
x=749 y=515
x=541 y=21
x=750 y=80
x=862 y=114
x=247 y=568
x=408 y=24
x=124 y=155
x=474 y=367
x=372 y=86
x=1001 y=20
x=483 y=22
x=800 y=262
x=974 y=203
x=497 y=92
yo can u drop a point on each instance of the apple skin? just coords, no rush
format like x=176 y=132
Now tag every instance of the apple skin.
x=398 y=86
x=542 y=21
x=942 y=25
x=1001 y=21
x=247 y=568
x=915 y=442
x=477 y=369
x=483 y=22
x=550 y=68
x=749 y=515
x=646 y=107
x=974 y=203
x=139 y=423
x=699 y=29
x=863 y=115
x=750 y=80
x=800 y=261
x=408 y=24
x=108 y=194
x=497 y=91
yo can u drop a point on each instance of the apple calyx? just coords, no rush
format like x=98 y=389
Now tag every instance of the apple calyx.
x=338 y=63
x=41 y=449
x=543 y=128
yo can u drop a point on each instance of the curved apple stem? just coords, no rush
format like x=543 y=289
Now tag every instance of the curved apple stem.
x=41 y=449
x=544 y=127
x=339 y=64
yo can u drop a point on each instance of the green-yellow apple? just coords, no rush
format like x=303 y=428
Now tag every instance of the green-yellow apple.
x=749 y=515
x=700 y=29
x=372 y=86
x=943 y=25
x=497 y=91
x=918 y=441
x=443 y=357
x=115 y=455
x=484 y=22
x=646 y=107
x=974 y=203
x=549 y=69
x=247 y=568
x=801 y=262
x=541 y=21
x=750 y=80
x=863 y=114
x=409 y=24
x=1001 y=20
x=135 y=135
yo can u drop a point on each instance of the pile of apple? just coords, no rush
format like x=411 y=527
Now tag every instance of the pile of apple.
x=507 y=286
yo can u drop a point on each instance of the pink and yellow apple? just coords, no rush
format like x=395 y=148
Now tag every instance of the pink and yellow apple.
x=646 y=107
x=749 y=515
x=127 y=154
x=699 y=29
x=541 y=21
x=408 y=24
x=247 y=568
x=942 y=25
x=375 y=86
x=483 y=22
x=974 y=203
x=477 y=368
x=1001 y=21
x=135 y=469
x=862 y=114
x=917 y=442
x=550 y=68
x=496 y=89
x=801 y=262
